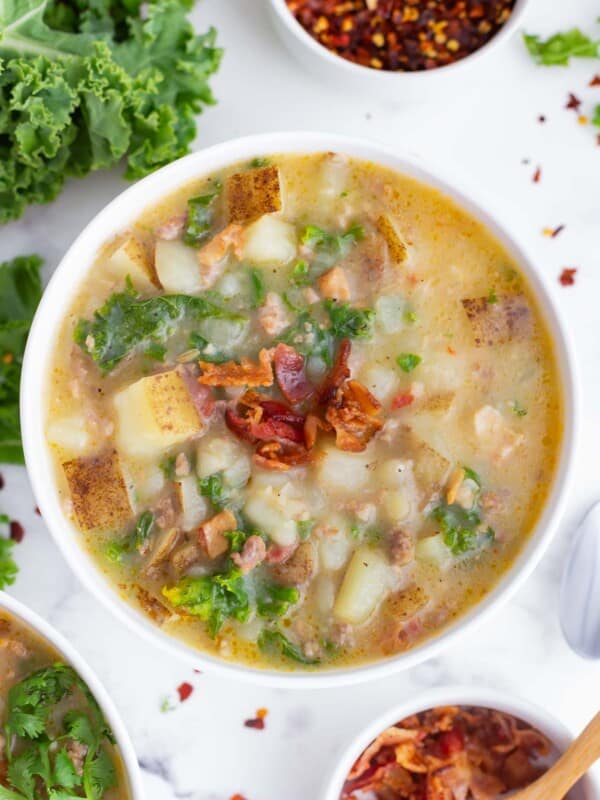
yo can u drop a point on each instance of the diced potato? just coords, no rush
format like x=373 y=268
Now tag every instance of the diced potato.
x=505 y=319
x=177 y=267
x=269 y=240
x=194 y=507
x=342 y=470
x=251 y=630
x=253 y=193
x=323 y=589
x=69 y=433
x=381 y=382
x=433 y=550
x=219 y=454
x=393 y=472
x=131 y=258
x=495 y=434
x=334 y=545
x=333 y=176
x=366 y=582
x=389 y=313
x=397 y=504
x=98 y=491
x=274 y=512
x=154 y=414
x=149 y=483
x=388 y=227
x=224 y=334
x=230 y=285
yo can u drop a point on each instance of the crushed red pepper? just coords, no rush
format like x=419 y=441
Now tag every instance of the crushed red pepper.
x=595 y=81
x=17 y=531
x=402 y=35
x=567 y=276
x=537 y=175
x=573 y=102
x=553 y=232
x=258 y=722
x=184 y=690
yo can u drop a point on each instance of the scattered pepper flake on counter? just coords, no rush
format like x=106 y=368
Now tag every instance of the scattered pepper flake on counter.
x=553 y=232
x=17 y=531
x=237 y=797
x=537 y=175
x=399 y=36
x=1 y=481
x=541 y=118
x=595 y=81
x=573 y=102
x=567 y=276
x=184 y=690
x=258 y=722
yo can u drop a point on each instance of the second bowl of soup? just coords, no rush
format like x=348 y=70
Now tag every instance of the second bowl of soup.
x=296 y=406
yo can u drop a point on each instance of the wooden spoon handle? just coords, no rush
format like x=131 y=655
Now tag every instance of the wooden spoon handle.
x=574 y=762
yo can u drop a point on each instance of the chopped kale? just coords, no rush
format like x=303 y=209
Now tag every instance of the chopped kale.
x=200 y=217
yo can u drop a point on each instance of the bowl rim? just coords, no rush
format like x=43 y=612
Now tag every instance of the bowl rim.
x=62 y=288
x=462 y=695
x=296 y=30
x=50 y=634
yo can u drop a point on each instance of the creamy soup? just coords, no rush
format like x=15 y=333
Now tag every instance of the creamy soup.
x=54 y=740
x=304 y=413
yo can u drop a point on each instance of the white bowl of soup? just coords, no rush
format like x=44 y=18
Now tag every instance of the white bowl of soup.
x=55 y=711
x=299 y=410
x=459 y=738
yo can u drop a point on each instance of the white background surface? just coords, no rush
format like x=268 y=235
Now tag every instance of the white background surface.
x=201 y=750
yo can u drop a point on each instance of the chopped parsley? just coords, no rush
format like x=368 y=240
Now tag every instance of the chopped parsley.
x=410 y=317
x=259 y=162
x=304 y=528
x=461 y=529
x=348 y=322
x=518 y=409
x=408 y=361
x=8 y=567
x=301 y=274
x=472 y=475
x=200 y=217
x=258 y=290
x=561 y=47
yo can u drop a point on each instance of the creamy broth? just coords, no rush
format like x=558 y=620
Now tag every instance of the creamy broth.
x=43 y=701
x=341 y=431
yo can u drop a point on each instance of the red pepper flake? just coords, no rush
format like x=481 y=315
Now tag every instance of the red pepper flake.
x=17 y=531
x=37 y=511
x=598 y=139
x=258 y=722
x=1 y=481
x=537 y=175
x=573 y=102
x=184 y=690
x=197 y=671
x=553 y=232
x=567 y=276
x=401 y=36
x=595 y=81
x=451 y=350
x=237 y=797
x=541 y=118
x=402 y=400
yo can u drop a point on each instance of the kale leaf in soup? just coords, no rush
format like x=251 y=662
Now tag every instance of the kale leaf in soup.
x=55 y=741
x=304 y=412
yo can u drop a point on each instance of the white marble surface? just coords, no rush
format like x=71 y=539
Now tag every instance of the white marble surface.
x=201 y=750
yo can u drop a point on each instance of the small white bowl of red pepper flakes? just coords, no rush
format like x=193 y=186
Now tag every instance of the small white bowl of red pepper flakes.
x=404 y=49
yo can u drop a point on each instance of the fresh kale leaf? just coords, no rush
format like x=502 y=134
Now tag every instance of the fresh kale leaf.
x=472 y=475
x=127 y=323
x=275 y=641
x=348 y=322
x=83 y=85
x=118 y=548
x=331 y=246
x=20 y=293
x=8 y=567
x=200 y=217
x=301 y=274
x=273 y=600
x=213 y=488
x=460 y=528
x=213 y=598
x=304 y=528
x=558 y=49
x=258 y=288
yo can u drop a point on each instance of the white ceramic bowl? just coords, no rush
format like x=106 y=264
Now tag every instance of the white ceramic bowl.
x=403 y=87
x=64 y=285
x=588 y=787
x=72 y=657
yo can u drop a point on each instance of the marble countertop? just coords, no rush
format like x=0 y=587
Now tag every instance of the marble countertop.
x=491 y=138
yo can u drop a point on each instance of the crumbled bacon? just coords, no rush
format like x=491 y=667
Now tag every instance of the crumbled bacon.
x=281 y=455
x=403 y=399
x=278 y=553
x=253 y=553
x=337 y=374
x=311 y=427
x=246 y=373
x=263 y=420
x=449 y=753
x=290 y=374
x=352 y=414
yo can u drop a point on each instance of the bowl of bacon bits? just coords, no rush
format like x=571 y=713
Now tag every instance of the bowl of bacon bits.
x=454 y=744
x=394 y=48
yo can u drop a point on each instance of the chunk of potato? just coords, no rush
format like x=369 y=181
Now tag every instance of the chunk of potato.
x=433 y=550
x=274 y=513
x=131 y=258
x=98 y=491
x=388 y=228
x=381 y=382
x=269 y=240
x=155 y=413
x=367 y=580
x=334 y=545
x=194 y=507
x=253 y=193
x=69 y=433
x=221 y=454
x=500 y=320
x=342 y=470
x=177 y=267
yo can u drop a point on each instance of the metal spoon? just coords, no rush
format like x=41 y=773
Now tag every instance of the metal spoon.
x=580 y=590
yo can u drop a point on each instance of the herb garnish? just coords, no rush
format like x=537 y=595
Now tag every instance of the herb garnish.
x=258 y=290
x=348 y=322
x=213 y=488
x=408 y=361
x=560 y=47
x=118 y=548
x=460 y=528
x=274 y=640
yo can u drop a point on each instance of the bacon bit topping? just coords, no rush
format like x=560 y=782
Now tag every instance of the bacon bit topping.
x=337 y=374
x=311 y=427
x=184 y=690
x=403 y=399
x=290 y=374
x=537 y=175
x=352 y=415
x=281 y=455
x=258 y=722
x=278 y=553
x=553 y=232
x=17 y=531
x=567 y=276
x=211 y=534
x=573 y=102
x=246 y=373
x=449 y=752
x=263 y=420
x=253 y=553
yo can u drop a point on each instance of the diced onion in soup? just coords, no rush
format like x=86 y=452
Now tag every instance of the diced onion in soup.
x=389 y=313
x=177 y=267
x=149 y=482
x=269 y=240
x=69 y=433
x=367 y=580
x=194 y=507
